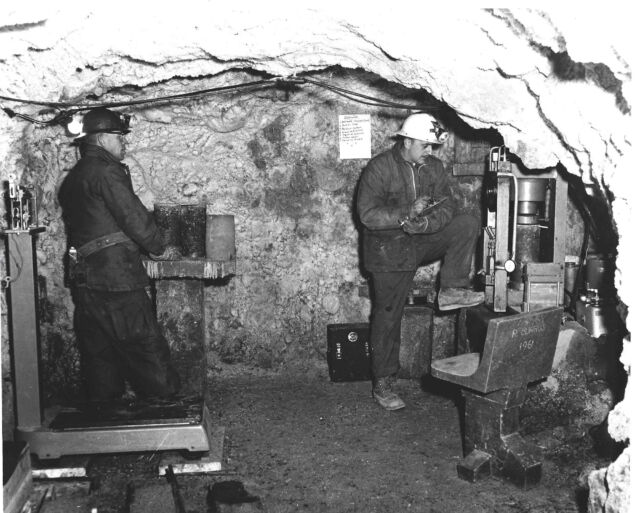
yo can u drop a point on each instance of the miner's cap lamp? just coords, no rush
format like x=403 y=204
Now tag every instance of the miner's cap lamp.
x=423 y=127
x=103 y=120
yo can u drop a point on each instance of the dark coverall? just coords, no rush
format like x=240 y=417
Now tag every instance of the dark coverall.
x=388 y=186
x=118 y=335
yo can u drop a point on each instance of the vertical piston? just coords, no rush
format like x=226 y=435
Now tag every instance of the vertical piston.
x=532 y=195
x=527 y=250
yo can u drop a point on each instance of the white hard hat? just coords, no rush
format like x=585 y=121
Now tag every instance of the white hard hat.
x=424 y=127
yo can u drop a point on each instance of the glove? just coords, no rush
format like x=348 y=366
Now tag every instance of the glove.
x=418 y=206
x=169 y=253
x=412 y=226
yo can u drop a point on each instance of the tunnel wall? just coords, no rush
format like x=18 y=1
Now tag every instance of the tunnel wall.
x=554 y=91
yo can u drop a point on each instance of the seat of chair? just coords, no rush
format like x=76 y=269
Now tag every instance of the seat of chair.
x=456 y=369
x=518 y=349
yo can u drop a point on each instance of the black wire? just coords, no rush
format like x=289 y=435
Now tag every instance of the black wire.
x=61 y=117
x=81 y=106
x=374 y=104
x=379 y=101
x=64 y=116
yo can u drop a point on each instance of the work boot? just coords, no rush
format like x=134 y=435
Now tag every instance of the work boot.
x=385 y=396
x=451 y=298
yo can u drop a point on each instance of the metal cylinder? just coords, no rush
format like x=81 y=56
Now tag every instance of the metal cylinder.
x=528 y=219
x=532 y=189
x=221 y=237
x=193 y=230
x=527 y=208
x=527 y=250
x=570 y=275
x=599 y=274
x=532 y=193
x=597 y=318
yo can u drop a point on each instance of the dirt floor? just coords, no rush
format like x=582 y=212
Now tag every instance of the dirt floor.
x=306 y=444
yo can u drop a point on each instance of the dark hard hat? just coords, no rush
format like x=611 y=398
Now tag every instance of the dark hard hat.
x=104 y=120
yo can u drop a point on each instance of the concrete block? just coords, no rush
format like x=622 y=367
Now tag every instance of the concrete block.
x=200 y=464
x=475 y=466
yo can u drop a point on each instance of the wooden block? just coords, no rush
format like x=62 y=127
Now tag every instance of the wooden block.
x=522 y=461
x=63 y=468
x=208 y=462
x=416 y=341
x=469 y=168
x=63 y=487
x=18 y=485
x=200 y=268
x=475 y=466
x=179 y=307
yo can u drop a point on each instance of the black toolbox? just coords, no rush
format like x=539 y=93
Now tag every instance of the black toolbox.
x=349 y=352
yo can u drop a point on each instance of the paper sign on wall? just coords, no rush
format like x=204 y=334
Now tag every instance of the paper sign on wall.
x=355 y=136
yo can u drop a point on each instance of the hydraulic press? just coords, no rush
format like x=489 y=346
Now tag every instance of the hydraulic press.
x=513 y=335
x=523 y=237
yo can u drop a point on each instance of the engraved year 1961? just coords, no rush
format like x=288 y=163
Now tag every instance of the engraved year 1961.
x=526 y=344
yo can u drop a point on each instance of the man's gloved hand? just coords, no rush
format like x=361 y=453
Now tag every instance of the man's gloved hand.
x=418 y=206
x=169 y=253
x=418 y=225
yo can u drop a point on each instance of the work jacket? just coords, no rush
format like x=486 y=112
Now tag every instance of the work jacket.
x=388 y=186
x=97 y=200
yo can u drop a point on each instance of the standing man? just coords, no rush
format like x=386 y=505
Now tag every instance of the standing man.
x=406 y=207
x=107 y=224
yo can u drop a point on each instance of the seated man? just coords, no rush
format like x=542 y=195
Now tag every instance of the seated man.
x=405 y=205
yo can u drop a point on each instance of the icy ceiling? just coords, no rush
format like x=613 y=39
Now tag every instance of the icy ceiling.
x=556 y=84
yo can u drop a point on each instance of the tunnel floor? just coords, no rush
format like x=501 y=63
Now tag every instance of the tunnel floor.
x=303 y=443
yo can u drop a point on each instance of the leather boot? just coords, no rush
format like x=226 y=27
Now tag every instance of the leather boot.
x=452 y=298
x=384 y=394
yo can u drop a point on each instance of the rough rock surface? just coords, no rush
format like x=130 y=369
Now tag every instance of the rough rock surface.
x=555 y=93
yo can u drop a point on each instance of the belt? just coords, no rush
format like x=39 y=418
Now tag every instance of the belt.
x=102 y=242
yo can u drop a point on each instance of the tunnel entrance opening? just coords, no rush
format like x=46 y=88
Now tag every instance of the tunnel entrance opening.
x=275 y=160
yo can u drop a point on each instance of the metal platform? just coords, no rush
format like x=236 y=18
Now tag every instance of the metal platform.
x=183 y=425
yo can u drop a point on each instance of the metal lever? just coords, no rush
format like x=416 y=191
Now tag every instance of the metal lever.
x=177 y=498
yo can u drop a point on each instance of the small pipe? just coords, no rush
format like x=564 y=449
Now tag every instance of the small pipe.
x=515 y=213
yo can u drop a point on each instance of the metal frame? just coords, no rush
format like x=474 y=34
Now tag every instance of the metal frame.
x=171 y=434
x=497 y=232
x=24 y=326
x=175 y=435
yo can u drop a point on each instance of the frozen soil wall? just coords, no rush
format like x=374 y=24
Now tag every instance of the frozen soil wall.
x=553 y=93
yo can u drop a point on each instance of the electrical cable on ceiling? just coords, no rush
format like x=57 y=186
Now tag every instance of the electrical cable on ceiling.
x=377 y=101
x=81 y=106
x=65 y=115
x=67 y=109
